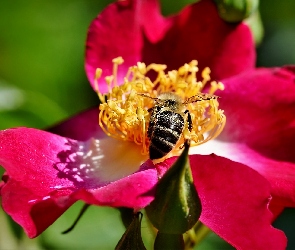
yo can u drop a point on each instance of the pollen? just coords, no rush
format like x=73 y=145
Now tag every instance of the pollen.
x=124 y=110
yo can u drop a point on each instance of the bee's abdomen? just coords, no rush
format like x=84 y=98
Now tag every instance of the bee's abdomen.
x=165 y=133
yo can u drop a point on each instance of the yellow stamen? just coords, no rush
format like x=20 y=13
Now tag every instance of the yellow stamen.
x=206 y=75
x=116 y=62
x=98 y=73
x=124 y=111
x=215 y=86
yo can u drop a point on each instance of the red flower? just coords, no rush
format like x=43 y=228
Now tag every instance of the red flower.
x=47 y=173
x=258 y=103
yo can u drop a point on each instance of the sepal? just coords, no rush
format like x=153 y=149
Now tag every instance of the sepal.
x=131 y=239
x=169 y=241
x=177 y=206
x=127 y=215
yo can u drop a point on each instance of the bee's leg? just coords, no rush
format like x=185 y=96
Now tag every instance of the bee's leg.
x=153 y=112
x=187 y=127
x=189 y=120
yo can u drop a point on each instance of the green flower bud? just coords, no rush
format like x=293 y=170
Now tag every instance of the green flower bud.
x=236 y=10
x=131 y=239
x=176 y=207
x=169 y=241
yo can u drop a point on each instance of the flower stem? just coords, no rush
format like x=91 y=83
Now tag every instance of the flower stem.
x=195 y=235
x=84 y=208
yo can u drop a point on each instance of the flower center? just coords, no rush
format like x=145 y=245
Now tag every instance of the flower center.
x=125 y=111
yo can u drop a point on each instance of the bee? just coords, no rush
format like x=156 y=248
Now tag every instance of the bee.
x=168 y=119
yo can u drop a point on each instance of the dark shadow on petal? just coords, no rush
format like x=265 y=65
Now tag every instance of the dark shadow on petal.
x=79 y=164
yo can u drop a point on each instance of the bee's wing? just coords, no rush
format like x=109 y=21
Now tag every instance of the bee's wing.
x=200 y=97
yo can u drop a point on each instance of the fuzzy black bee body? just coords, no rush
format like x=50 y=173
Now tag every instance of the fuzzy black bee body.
x=166 y=125
x=164 y=132
x=168 y=119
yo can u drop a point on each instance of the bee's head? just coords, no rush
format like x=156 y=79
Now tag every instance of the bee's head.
x=169 y=100
x=170 y=103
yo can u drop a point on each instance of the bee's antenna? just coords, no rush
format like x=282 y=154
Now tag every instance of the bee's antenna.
x=147 y=96
x=200 y=97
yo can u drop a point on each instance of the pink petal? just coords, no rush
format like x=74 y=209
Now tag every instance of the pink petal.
x=126 y=29
x=134 y=191
x=29 y=157
x=117 y=31
x=260 y=110
x=199 y=33
x=33 y=210
x=280 y=174
x=47 y=173
x=234 y=203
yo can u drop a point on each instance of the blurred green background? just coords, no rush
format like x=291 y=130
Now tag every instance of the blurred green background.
x=42 y=82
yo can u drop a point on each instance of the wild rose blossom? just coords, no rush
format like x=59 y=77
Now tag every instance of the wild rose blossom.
x=258 y=103
x=47 y=173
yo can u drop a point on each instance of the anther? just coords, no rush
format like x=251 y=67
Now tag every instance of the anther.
x=206 y=75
